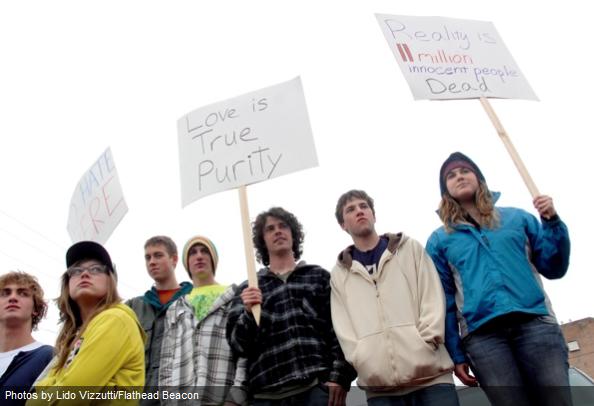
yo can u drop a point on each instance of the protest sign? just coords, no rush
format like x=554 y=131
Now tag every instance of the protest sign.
x=241 y=141
x=97 y=205
x=444 y=58
x=244 y=140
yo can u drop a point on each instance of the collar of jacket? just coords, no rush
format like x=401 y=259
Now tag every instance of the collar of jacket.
x=345 y=258
x=496 y=196
x=152 y=296
x=225 y=298
x=179 y=307
x=301 y=265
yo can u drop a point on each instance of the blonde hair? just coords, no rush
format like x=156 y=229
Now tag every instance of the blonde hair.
x=452 y=213
x=71 y=319
x=21 y=278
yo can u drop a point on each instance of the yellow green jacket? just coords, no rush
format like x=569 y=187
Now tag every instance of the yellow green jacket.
x=110 y=353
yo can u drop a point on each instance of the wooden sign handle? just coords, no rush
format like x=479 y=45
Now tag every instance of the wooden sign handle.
x=510 y=148
x=249 y=249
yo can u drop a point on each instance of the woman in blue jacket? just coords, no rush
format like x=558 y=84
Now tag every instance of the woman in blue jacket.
x=499 y=320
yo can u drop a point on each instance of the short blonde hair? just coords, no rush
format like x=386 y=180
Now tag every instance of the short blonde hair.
x=21 y=278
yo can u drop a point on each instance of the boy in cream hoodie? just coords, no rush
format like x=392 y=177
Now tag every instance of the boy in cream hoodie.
x=388 y=311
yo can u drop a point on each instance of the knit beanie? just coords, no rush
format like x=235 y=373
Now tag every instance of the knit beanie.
x=457 y=160
x=208 y=244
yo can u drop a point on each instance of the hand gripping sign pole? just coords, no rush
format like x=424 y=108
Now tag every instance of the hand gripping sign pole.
x=510 y=147
x=249 y=249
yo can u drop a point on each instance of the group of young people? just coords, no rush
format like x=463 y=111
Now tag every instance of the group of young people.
x=395 y=315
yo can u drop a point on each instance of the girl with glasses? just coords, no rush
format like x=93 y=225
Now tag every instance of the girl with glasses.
x=100 y=343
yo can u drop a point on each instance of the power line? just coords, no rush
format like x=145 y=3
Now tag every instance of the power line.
x=52 y=276
x=32 y=230
x=27 y=265
x=58 y=261
x=36 y=248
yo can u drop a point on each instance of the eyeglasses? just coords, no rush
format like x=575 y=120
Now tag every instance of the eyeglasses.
x=93 y=270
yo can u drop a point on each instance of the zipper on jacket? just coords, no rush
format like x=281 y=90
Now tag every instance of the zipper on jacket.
x=385 y=331
x=477 y=227
x=477 y=232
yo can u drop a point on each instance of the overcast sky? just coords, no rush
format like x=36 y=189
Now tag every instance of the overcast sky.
x=77 y=77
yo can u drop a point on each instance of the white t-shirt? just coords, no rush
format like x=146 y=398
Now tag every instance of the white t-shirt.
x=7 y=357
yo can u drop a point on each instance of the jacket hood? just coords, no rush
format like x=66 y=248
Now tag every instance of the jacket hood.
x=128 y=310
x=455 y=160
x=345 y=258
x=152 y=296
x=495 y=196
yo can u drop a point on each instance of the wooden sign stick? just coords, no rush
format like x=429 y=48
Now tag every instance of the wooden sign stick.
x=249 y=249
x=510 y=148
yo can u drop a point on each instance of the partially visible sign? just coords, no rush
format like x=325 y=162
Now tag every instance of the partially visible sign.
x=97 y=205
x=444 y=58
x=244 y=140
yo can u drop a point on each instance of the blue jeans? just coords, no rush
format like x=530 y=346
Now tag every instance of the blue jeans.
x=316 y=396
x=520 y=359
x=434 y=395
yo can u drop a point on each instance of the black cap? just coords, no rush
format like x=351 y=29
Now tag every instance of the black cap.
x=455 y=160
x=88 y=250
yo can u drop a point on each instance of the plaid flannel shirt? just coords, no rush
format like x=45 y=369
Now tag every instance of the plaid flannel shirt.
x=295 y=342
x=196 y=356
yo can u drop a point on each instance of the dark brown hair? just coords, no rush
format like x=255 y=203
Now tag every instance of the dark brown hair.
x=347 y=197
x=258 y=233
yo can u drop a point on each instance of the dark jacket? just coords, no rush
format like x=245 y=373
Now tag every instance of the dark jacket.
x=23 y=371
x=295 y=342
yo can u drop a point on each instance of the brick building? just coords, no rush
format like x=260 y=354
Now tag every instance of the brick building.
x=579 y=336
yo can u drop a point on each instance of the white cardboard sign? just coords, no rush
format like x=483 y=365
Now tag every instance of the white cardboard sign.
x=97 y=205
x=244 y=140
x=444 y=58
